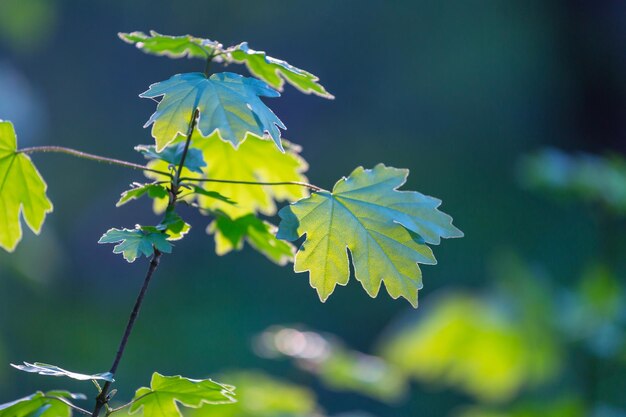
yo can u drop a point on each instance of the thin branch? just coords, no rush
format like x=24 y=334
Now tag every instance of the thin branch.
x=84 y=155
x=192 y=126
x=298 y=183
x=69 y=404
x=102 y=399
x=120 y=408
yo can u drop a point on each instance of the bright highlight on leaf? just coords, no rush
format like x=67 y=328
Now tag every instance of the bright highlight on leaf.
x=41 y=405
x=172 y=46
x=227 y=103
x=152 y=190
x=385 y=230
x=261 y=395
x=52 y=370
x=167 y=392
x=271 y=70
x=275 y=71
x=22 y=190
x=136 y=242
x=261 y=235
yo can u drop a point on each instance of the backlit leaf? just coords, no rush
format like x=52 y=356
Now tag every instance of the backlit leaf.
x=261 y=235
x=155 y=191
x=53 y=370
x=172 y=46
x=136 y=242
x=40 y=405
x=167 y=392
x=255 y=160
x=275 y=71
x=22 y=190
x=385 y=230
x=261 y=395
x=228 y=103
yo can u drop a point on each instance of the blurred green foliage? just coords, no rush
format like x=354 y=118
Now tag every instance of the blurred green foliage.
x=591 y=178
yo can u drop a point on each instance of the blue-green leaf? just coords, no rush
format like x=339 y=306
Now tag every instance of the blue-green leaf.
x=228 y=103
x=385 y=230
x=194 y=161
x=137 y=242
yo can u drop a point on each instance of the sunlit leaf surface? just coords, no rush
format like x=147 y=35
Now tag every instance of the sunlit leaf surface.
x=385 y=230
x=22 y=191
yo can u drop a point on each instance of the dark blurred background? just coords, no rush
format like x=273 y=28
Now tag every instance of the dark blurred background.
x=455 y=91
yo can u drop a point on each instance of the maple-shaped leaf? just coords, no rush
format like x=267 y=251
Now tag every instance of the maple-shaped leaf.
x=172 y=46
x=166 y=392
x=139 y=190
x=227 y=103
x=53 y=370
x=255 y=160
x=261 y=235
x=142 y=240
x=22 y=190
x=262 y=395
x=39 y=404
x=385 y=230
x=275 y=71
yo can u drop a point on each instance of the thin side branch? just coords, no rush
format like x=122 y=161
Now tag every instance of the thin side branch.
x=84 y=155
x=298 y=183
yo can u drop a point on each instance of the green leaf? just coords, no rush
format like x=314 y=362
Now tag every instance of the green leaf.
x=194 y=161
x=275 y=71
x=138 y=190
x=40 y=405
x=22 y=190
x=231 y=234
x=166 y=392
x=137 y=242
x=255 y=160
x=385 y=230
x=174 y=226
x=172 y=46
x=53 y=370
x=228 y=103
x=261 y=395
x=212 y=194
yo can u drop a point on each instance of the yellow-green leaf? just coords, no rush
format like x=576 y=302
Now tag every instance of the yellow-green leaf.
x=22 y=190
x=166 y=392
x=172 y=46
x=385 y=230
x=255 y=160
x=275 y=71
